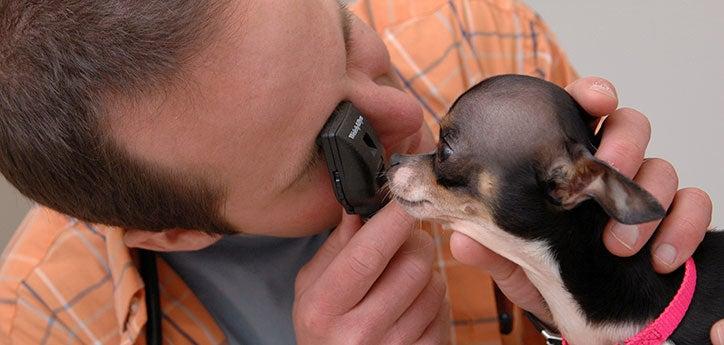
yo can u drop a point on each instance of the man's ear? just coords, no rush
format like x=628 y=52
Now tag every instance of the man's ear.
x=579 y=176
x=169 y=240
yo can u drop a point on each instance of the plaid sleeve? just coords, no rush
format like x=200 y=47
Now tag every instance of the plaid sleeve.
x=39 y=304
x=560 y=70
x=63 y=281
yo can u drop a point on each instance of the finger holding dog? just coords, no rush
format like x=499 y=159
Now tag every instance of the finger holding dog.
x=507 y=275
x=717 y=333
x=626 y=134
x=596 y=95
x=364 y=258
x=659 y=178
x=438 y=332
x=336 y=241
x=407 y=276
x=425 y=312
x=361 y=260
x=364 y=279
x=682 y=230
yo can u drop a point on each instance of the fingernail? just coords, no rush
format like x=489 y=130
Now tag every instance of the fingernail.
x=613 y=166
x=603 y=88
x=666 y=253
x=626 y=234
x=717 y=336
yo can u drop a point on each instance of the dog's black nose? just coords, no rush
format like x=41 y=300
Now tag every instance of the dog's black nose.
x=396 y=159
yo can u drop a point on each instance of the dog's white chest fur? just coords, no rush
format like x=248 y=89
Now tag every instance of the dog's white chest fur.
x=543 y=271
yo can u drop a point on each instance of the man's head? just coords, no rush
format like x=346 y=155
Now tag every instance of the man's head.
x=188 y=114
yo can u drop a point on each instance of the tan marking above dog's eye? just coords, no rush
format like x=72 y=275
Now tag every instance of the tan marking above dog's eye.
x=486 y=183
x=471 y=211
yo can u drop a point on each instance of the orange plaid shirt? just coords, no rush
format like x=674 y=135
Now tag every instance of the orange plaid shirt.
x=67 y=281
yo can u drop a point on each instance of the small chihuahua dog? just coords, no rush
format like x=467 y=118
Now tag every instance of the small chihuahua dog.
x=514 y=170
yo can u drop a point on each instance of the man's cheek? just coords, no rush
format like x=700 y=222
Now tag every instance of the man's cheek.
x=316 y=188
x=320 y=204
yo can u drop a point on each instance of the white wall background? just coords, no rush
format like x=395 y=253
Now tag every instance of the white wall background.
x=666 y=59
x=12 y=209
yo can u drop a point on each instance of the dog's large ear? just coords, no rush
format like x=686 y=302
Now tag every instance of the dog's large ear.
x=579 y=176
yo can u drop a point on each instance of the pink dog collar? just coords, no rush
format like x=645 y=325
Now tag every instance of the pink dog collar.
x=658 y=331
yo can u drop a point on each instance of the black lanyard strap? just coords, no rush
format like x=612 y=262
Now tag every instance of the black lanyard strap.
x=149 y=273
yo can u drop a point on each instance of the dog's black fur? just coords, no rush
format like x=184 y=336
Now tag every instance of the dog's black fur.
x=493 y=132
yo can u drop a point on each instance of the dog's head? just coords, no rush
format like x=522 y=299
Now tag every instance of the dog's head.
x=514 y=150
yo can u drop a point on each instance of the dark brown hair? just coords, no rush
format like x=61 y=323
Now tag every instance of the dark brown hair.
x=60 y=63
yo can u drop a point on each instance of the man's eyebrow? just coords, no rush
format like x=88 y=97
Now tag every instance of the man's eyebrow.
x=346 y=23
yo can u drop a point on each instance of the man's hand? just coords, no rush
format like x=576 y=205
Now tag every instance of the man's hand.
x=625 y=137
x=372 y=283
x=626 y=133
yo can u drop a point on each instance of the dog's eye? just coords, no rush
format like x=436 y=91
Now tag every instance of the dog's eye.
x=445 y=151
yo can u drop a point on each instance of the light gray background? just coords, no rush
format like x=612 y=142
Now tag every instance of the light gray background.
x=666 y=59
